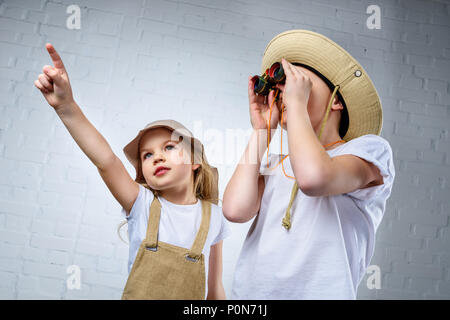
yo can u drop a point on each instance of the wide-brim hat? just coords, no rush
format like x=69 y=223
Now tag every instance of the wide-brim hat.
x=198 y=156
x=329 y=60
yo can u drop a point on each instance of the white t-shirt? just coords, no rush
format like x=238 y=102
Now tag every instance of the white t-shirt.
x=331 y=241
x=178 y=225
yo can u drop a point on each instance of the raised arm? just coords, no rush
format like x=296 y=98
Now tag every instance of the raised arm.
x=242 y=196
x=243 y=193
x=55 y=87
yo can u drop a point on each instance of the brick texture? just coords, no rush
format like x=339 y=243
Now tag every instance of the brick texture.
x=140 y=60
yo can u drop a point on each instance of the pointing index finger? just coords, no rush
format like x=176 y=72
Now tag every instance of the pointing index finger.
x=57 y=62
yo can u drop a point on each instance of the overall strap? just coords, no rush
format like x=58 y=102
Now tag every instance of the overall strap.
x=197 y=246
x=153 y=224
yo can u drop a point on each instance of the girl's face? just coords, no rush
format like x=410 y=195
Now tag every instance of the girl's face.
x=317 y=104
x=157 y=149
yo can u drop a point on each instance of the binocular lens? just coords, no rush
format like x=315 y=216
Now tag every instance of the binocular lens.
x=261 y=86
x=276 y=72
x=273 y=75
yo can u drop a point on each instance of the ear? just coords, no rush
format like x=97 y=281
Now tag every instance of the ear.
x=337 y=105
x=195 y=167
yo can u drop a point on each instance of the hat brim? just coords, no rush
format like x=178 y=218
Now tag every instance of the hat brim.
x=131 y=150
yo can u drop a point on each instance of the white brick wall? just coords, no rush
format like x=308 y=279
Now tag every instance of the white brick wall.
x=136 y=61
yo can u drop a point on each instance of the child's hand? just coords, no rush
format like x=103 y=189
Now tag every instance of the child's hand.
x=54 y=82
x=297 y=86
x=260 y=108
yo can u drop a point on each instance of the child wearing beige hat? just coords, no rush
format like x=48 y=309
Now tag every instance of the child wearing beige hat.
x=176 y=229
x=316 y=213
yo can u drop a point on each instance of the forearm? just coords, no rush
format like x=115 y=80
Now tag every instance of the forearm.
x=216 y=293
x=241 y=194
x=91 y=142
x=307 y=156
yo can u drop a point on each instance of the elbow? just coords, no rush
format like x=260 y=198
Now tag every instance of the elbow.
x=314 y=186
x=310 y=190
x=236 y=208
x=229 y=214
x=311 y=181
x=233 y=215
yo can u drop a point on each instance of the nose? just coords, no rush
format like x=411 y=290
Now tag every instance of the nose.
x=158 y=157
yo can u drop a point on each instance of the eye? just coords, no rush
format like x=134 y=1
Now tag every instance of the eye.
x=145 y=155
x=171 y=146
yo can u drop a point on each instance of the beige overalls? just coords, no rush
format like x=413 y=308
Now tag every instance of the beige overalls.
x=162 y=271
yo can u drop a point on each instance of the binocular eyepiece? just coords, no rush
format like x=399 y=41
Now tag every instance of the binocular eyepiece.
x=274 y=75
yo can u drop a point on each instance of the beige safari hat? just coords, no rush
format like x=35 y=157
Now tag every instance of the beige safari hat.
x=198 y=156
x=335 y=64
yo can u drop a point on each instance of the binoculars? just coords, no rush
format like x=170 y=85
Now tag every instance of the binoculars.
x=271 y=77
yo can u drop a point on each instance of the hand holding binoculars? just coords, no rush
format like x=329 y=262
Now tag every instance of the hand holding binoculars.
x=271 y=77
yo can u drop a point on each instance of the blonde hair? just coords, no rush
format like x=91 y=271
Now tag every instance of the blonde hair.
x=205 y=184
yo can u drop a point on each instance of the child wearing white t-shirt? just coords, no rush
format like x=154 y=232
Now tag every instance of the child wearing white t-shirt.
x=175 y=226
x=317 y=212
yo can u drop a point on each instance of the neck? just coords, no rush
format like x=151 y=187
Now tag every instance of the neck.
x=180 y=194
x=330 y=132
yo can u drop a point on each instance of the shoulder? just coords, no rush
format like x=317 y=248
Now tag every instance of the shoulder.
x=369 y=140
x=370 y=145
x=142 y=202
x=376 y=150
x=372 y=148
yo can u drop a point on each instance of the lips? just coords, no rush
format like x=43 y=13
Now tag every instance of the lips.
x=161 y=170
